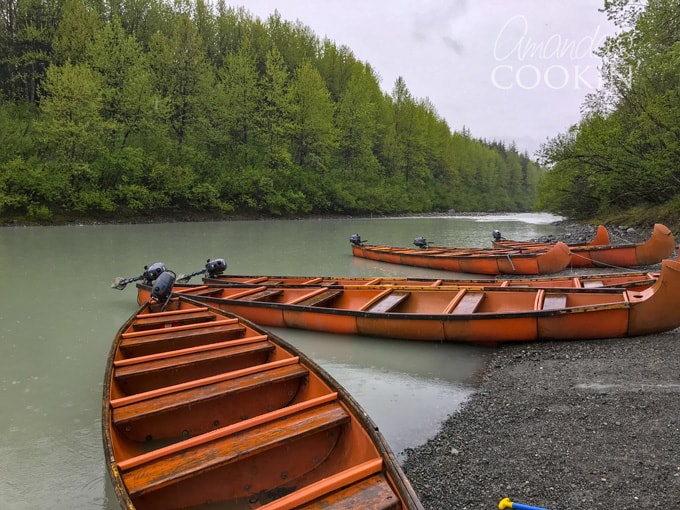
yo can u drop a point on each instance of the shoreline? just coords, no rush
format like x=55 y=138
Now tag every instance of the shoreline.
x=562 y=425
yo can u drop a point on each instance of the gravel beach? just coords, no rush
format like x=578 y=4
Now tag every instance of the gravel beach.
x=563 y=425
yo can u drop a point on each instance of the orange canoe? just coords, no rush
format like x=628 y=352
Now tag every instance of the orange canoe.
x=659 y=246
x=482 y=315
x=201 y=407
x=213 y=274
x=470 y=260
x=637 y=279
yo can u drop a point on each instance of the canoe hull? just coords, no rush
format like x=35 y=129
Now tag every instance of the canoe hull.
x=658 y=247
x=489 y=262
x=240 y=418
x=481 y=315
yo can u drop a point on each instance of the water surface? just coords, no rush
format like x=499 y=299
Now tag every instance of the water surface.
x=59 y=316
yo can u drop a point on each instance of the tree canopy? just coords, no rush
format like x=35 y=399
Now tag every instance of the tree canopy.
x=115 y=109
x=625 y=150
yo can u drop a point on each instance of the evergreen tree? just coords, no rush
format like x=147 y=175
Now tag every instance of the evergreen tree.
x=313 y=137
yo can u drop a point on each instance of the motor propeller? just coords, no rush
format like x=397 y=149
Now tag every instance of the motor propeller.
x=212 y=268
x=148 y=276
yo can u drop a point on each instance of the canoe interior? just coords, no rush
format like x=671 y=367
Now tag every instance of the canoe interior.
x=411 y=301
x=203 y=409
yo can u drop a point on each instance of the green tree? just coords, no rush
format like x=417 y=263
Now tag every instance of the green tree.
x=30 y=31
x=313 y=135
x=275 y=119
x=183 y=76
x=75 y=32
x=357 y=124
x=71 y=104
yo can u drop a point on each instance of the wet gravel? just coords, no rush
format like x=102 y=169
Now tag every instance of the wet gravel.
x=563 y=425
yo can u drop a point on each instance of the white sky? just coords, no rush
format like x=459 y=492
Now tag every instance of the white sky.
x=512 y=70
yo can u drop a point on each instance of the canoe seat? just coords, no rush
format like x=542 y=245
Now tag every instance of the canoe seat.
x=263 y=295
x=145 y=373
x=199 y=291
x=591 y=284
x=389 y=302
x=211 y=454
x=373 y=492
x=468 y=303
x=321 y=298
x=182 y=402
x=141 y=343
x=554 y=301
x=156 y=321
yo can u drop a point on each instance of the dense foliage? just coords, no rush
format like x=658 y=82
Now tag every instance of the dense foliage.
x=625 y=151
x=114 y=108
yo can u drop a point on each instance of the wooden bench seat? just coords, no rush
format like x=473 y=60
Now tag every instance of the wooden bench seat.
x=468 y=303
x=389 y=302
x=591 y=284
x=177 y=317
x=263 y=295
x=554 y=301
x=199 y=291
x=320 y=298
x=374 y=493
x=179 y=406
x=145 y=373
x=141 y=343
x=213 y=453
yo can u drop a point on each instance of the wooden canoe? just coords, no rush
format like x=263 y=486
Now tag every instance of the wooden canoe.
x=483 y=315
x=659 y=246
x=471 y=260
x=201 y=407
x=637 y=279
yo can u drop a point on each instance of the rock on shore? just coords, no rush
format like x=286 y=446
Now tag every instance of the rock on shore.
x=562 y=425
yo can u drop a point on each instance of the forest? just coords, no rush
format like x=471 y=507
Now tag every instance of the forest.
x=121 y=109
x=624 y=154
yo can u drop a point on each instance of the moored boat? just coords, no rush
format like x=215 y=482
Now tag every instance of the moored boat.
x=479 y=315
x=469 y=260
x=201 y=407
x=660 y=245
x=637 y=279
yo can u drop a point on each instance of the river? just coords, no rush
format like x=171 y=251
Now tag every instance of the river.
x=59 y=315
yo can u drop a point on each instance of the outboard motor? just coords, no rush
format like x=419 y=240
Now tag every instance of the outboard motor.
x=497 y=235
x=421 y=242
x=355 y=239
x=162 y=287
x=215 y=267
x=152 y=272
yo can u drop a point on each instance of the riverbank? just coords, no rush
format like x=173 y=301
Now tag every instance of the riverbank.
x=568 y=425
x=562 y=425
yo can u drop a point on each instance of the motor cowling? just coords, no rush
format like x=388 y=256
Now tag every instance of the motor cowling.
x=162 y=287
x=152 y=272
x=421 y=242
x=497 y=235
x=215 y=267
x=356 y=239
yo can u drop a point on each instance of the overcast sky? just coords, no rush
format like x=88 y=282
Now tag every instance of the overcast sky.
x=512 y=70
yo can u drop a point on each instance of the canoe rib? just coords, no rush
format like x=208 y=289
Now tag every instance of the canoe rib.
x=181 y=337
x=190 y=398
x=166 y=370
x=154 y=321
x=203 y=457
